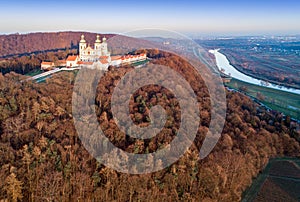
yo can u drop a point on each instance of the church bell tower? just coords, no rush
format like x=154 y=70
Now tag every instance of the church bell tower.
x=97 y=46
x=82 y=46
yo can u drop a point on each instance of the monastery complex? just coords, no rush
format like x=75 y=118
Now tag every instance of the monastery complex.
x=97 y=57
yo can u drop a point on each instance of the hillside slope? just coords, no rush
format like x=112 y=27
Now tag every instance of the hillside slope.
x=16 y=44
x=42 y=157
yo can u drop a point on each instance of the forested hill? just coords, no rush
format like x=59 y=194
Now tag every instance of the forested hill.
x=17 y=44
x=43 y=159
x=23 y=53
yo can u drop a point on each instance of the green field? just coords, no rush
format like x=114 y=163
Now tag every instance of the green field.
x=34 y=72
x=287 y=103
x=139 y=63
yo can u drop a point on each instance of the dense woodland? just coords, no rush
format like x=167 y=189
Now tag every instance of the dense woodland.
x=27 y=63
x=42 y=158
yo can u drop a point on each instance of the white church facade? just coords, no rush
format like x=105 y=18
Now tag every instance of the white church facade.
x=89 y=54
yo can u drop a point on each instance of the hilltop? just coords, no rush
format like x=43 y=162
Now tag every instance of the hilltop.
x=23 y=53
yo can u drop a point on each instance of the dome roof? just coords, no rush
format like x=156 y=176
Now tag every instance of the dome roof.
x=98 y=39
x=82 y=39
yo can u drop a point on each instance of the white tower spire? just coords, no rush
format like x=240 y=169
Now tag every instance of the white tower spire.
x=82 y=39
x=98 y=39
x=97 y=45
x=82 y=46
x=104 y=47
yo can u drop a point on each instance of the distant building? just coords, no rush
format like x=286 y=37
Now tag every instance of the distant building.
x=47 y=65
x=72 y=61
x=97 y=57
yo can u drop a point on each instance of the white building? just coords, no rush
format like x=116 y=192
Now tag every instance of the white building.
x=97 y=57
x=47 y=65
x=89 y=54
x=72 y=61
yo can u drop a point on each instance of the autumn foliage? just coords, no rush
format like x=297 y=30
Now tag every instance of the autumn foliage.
x=43 y=158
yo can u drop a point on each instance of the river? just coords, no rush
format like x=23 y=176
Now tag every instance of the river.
x=224 y=65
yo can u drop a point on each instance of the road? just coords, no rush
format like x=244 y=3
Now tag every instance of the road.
x=44 y=74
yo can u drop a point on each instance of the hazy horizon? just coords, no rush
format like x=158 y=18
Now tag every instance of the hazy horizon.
x=189 y=17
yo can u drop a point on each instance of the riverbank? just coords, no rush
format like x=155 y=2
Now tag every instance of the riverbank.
x=285 y=102
x=233 y=61
x=224 y=65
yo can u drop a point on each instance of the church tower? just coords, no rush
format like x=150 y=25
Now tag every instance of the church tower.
x=104 y=47
x=82 y=46
x=97 y=46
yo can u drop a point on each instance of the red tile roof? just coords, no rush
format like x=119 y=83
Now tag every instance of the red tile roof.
x=84 y=63
x=47 y=63
x=72 y=58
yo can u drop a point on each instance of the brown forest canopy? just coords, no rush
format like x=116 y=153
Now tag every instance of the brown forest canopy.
x=43 y=159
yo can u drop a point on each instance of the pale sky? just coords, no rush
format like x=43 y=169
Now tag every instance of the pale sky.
x=206 y=17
